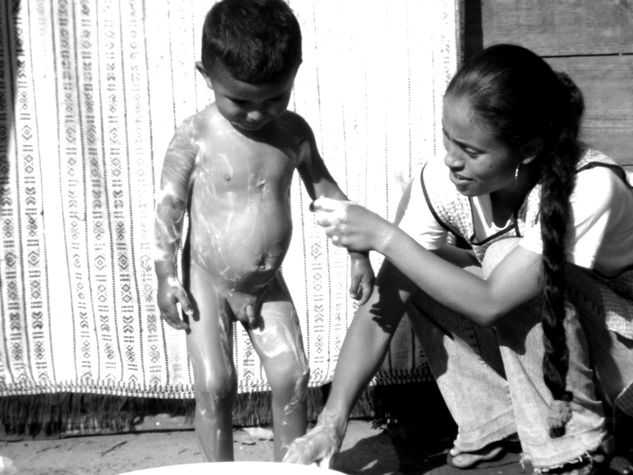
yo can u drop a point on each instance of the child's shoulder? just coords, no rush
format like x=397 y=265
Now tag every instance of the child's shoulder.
x=295 y=124
x=201 y=121
x=206 y=114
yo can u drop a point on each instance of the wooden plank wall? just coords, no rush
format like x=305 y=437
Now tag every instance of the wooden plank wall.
x=591 y=40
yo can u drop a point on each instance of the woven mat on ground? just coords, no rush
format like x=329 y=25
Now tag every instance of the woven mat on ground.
x=90 y=94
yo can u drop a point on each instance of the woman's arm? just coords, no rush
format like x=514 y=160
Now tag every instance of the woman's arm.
x=363 y=351
x=514 y=281
x=458 y=256
x=368 y=337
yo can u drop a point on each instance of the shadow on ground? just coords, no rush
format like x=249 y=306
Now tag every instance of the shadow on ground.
x=421 y=432
x=369 y=456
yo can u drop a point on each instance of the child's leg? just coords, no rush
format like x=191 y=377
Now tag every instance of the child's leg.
x=210 y=348
x=279 y=344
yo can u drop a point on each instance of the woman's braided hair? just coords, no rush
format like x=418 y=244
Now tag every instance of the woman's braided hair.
x=526 y=105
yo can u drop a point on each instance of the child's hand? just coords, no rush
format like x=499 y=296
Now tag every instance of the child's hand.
x=170 y=294
x=362 y=277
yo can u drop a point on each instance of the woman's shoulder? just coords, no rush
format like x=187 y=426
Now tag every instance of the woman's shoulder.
x=449 y=207
x=437 y=185
x=600 y=187
x=592 y=158
x=599 y=169
x=597 y=180
x=434 y=175
x=434 y=166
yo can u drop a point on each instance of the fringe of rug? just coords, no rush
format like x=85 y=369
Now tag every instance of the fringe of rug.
x=72 y=414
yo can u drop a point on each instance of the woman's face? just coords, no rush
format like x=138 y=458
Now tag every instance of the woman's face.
x=478 y=163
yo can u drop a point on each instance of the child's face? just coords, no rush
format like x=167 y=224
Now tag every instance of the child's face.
x=249 y=107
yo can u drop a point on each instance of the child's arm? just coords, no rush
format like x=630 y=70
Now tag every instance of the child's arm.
x=319 y=182
x=168 y=225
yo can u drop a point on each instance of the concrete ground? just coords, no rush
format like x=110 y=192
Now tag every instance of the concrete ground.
x=367 y=449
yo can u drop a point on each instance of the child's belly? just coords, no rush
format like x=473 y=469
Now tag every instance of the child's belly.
x=241 y=249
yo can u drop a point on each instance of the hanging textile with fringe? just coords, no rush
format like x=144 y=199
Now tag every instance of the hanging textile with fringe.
x=90 y=94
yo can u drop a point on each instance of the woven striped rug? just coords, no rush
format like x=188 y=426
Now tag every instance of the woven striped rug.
x=90 y=94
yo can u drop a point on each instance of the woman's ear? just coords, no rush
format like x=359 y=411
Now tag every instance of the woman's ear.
x=531 y=151
x=205 y=75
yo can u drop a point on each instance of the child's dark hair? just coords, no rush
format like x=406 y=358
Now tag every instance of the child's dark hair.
x=528 y=106
x=256 y=41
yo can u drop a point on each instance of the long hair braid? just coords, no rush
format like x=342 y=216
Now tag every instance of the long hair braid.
x=557 y=183
x=525 y=103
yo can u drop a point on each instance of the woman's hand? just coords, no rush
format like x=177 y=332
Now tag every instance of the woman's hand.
x=321 y=443
x=352 y=226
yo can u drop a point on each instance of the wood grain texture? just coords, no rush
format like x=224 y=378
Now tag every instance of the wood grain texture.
x=607 y=85
x=592 y=40
x=560 y=27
